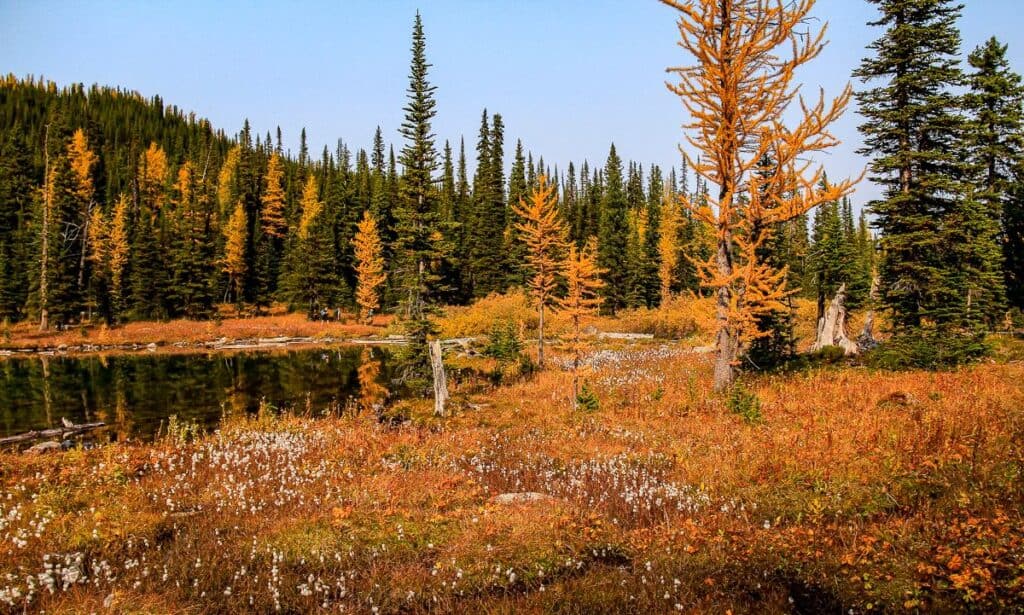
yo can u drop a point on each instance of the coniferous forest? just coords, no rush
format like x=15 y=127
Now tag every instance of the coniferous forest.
x=445 y=373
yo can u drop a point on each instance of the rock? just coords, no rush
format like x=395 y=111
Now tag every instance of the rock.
x=704 y=349
x=625 y=336
x=62 y=348
x=521 y=498
x=43 y=447
x=151 y=347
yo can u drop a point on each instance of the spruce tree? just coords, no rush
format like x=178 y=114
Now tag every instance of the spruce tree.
x=652 y=239
x=417 y=242
x=515 y=247
x=995 y=151
x=613 y=237
x=914 y=133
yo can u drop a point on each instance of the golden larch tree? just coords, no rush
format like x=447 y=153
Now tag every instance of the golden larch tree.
x=234 y=249
x=152 y=176
x=736 y=93
x=117 y=250
x=545 y=235
x=226 y=181
x=82 y=160
x=311 y=206
x=583 y=281
x=370 y=274
x=668 y=248
x=272 y=212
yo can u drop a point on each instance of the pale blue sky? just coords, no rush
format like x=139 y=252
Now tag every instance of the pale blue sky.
x=569 y=76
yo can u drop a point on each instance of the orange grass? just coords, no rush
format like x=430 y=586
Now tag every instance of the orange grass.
x=859 y=490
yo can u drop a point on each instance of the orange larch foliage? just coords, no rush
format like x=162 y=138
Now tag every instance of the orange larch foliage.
x=98 y=239
x=184 y=186
x=117 y=246
x=152 y=176
x=668 y=234
x=234 y=248
x=82 y=160
x=545 y=235
x=736 y=94
x=226 y=181
x=370 y=275
x=311 y=206
x=583 y=281
x=273 y=201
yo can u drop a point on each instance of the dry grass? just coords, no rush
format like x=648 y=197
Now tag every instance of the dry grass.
x=27 y=335
x=682 y=317
x=858 y=490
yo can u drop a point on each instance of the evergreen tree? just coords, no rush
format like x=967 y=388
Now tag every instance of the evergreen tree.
x=613 y=240
x=995 y=146
x=192 y=282
x=515 y=247
x=16 y=194
x=417 y=246
x=64 y=298
x=914 y=131
x=309 y=278
x=650 y=279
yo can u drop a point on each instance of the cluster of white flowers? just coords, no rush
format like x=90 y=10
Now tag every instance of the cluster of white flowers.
x=631 y=490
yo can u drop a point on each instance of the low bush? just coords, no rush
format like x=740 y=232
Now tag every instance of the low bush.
x=479 y=318
x=745 y=404
x=930 y=350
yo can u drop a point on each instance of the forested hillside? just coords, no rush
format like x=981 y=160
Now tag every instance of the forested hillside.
x=155 y=214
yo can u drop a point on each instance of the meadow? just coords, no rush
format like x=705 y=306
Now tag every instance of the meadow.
x=824 y=488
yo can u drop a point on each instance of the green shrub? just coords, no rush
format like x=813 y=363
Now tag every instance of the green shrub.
x=587 y=401
x=503 y=342
x=745 y=404
x=828 y=354
x=927 y=350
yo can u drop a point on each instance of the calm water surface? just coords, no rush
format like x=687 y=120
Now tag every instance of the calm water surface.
x=136 y=393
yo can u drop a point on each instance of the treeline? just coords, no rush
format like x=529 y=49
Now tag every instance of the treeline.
x=947 y=144
x=116 y=207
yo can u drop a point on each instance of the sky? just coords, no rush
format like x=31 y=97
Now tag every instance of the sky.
x=568 y=76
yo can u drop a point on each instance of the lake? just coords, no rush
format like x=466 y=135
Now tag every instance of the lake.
x=136 y=393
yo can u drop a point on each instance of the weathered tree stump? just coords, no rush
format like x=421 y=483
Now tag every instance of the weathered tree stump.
x=832 y=326
x=440 y=382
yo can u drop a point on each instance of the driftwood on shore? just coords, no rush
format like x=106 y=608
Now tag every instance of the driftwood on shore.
x=58 y=432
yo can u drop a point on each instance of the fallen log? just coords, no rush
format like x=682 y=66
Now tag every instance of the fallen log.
x=59 y=432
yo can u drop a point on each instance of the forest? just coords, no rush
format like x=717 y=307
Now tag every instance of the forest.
x=732 y=385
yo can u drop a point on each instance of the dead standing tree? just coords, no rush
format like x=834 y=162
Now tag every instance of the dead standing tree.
x=736 y=93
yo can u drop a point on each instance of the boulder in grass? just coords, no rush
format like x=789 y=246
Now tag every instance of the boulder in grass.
x=524 y=497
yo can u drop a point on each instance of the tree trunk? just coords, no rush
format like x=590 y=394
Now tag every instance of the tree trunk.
x=866 y=340
x=575 y=362
x=440 y=383
x=44 y=312
x=832 y=326
x=540 y=337
x=728 y=343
